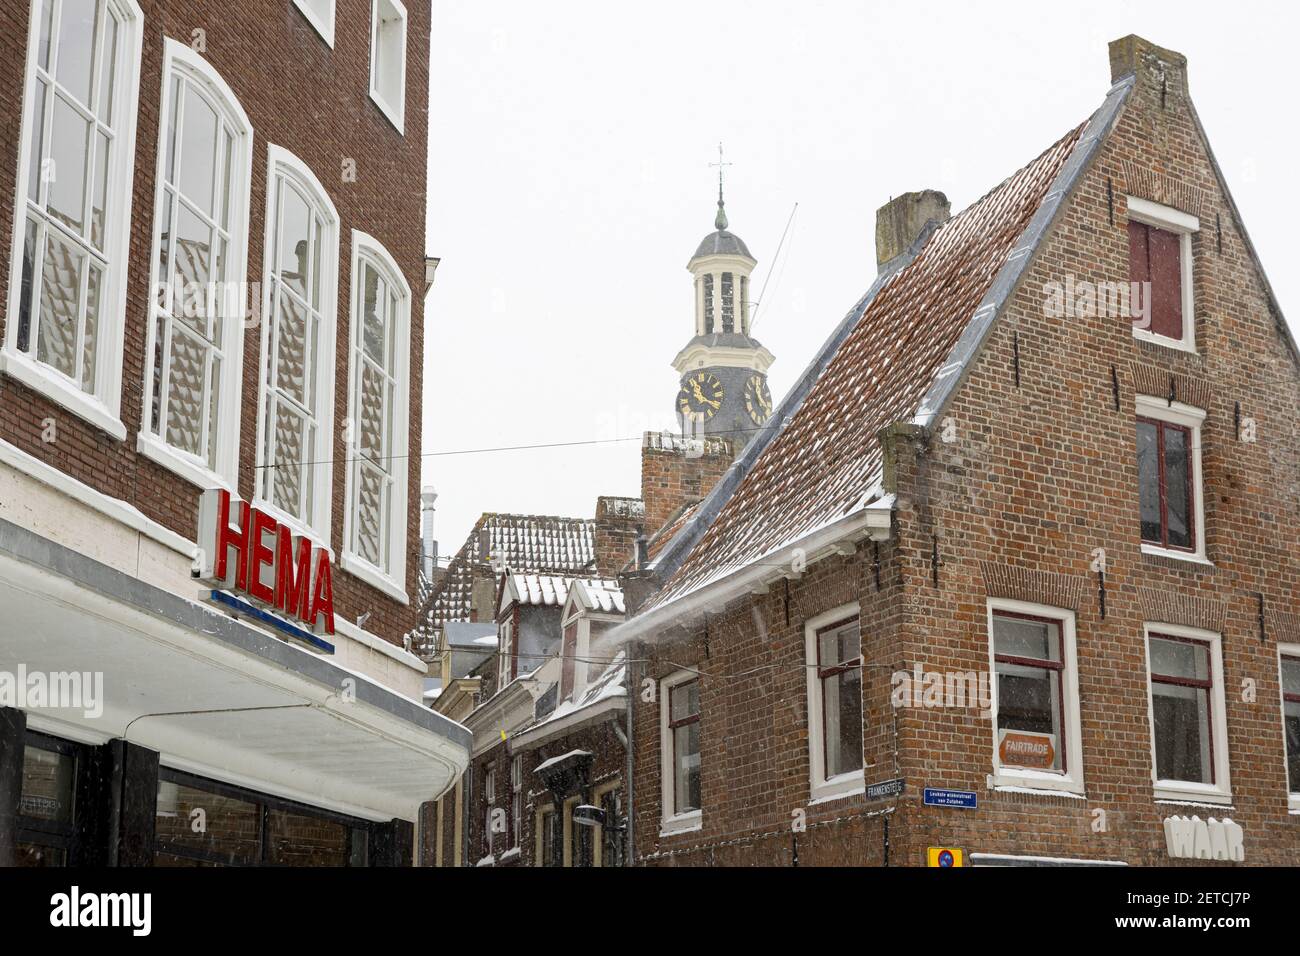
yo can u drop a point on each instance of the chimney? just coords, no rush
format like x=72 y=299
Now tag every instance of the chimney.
x=900 y=222
x=428 y=547
x=618 y=521
x=677 y=471
x=1161 y=74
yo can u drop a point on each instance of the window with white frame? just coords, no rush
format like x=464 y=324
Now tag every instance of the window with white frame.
x=833 y=646
x=1160 y=270
x=1170 y=497
x=489 y=798
x=1289 y=666
x=300 y=302
x=680 y=747
x=320 y=14
x=197 y=300
x=516 y=799
x=506 y=667
x=388 y=59
x=1034 y=696
x=1188 y=726
x=67 y=286
x=378 y=419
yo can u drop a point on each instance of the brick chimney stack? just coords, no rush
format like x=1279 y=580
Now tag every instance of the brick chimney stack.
x=1161 y=74
x=902 y=220
x=676 y=471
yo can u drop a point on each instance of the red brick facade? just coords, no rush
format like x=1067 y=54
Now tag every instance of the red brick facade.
x=314 y=101
x=1030 y=469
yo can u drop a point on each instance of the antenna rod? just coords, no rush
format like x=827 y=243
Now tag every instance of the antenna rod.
x=767 y=278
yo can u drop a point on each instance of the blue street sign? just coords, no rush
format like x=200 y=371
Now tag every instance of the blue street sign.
x=940 y=797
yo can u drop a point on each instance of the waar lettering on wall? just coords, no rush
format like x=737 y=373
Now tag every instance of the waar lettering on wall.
x=1192 y=838
x=244 y=549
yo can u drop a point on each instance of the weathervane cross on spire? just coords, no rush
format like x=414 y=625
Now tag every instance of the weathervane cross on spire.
x=720 y=221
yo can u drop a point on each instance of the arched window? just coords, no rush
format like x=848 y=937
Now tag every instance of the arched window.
x=708 y=303
x=378 y=419
x=67 y=285
x=728 y=303
x=299 y=309
x=198 y=293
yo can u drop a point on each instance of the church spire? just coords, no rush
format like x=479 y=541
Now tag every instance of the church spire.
x=720 y=220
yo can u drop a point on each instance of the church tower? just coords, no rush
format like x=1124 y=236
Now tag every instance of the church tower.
x=723 y=372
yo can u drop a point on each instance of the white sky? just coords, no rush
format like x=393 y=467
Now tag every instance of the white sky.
x=569 y=185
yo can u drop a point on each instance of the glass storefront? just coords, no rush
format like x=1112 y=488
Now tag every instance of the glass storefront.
x=47 y=805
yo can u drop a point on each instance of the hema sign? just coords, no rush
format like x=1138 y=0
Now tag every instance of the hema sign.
x=246 y=550
x=1196 y=839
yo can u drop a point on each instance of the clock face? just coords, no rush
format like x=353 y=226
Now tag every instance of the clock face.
x=758 y=399
x=700 y=397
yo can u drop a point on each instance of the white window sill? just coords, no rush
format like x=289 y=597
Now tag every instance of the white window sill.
x=49 y=383
x=1179 y=345
x=393 y=116
x=837 y=788
x=1191 y=793
x=1156 y=551
x=365 y=571
x=682 y=823
x=156 y=450
x=1293 y=802
x=1035 y=781
x=326 y=30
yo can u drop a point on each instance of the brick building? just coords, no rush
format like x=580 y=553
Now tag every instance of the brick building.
x=213 y=291
x=1008 y=571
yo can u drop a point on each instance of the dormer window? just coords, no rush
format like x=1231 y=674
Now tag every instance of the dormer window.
x=1160 y=274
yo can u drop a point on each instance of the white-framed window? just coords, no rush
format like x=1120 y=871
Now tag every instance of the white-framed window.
x=1160 y=262
x=1289 y=679
x=833 y=654
x=1189 y=727
x=1171 y=497
x=320 y=14
x=198 y=289
x=489 y=799
x=72 y=210
x=516 y=799
x=374 y=527
x=388 y=59
x=294 y=477
x=506 y=669
x=679 y=745
x=1035 y=697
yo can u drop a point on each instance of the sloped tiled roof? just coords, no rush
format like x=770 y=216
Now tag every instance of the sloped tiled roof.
x=600 y=595
x=826 y=462
x=541 y=590
x=522 y=543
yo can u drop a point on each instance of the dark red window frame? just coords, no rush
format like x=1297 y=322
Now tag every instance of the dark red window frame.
x=1193 y=528
x=825 y=672
x=1043 y=664
x=672 y=732
x=1207 y=685
x=1288 y=698
x=1156 y=258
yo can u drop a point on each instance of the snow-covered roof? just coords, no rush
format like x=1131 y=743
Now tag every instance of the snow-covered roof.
x=538 y=590
x=820 y=459
x=522 y=543
x=610 y=686
x=601 y=595
x=547 y=764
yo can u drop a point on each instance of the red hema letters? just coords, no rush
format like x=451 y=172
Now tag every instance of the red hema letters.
x=245 y=549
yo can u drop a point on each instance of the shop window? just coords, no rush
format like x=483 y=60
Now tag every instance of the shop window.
x=516 y=801
x=202 y=823
x=1034 y=695
x=47 y=808
x=608 y=841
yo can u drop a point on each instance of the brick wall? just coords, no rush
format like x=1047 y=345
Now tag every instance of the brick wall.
x=675 y=472
x=313 y=101
x=1037 y=476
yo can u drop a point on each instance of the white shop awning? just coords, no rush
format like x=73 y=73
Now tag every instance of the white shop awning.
x=213 y=695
